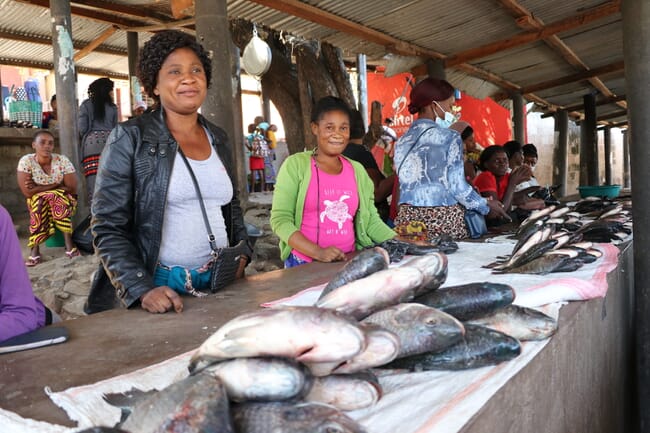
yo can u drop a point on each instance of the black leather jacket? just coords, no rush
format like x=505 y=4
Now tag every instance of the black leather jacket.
x=129 y=204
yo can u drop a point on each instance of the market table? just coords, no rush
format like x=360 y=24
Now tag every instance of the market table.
x=580 y=381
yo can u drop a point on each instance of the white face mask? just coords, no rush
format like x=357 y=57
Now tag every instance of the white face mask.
x=447 y=121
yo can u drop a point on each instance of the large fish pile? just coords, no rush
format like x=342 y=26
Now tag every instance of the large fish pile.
x=297 y=369
x=560 y=239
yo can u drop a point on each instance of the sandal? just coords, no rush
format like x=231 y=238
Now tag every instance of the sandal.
x=73 y=253
x=32 y=261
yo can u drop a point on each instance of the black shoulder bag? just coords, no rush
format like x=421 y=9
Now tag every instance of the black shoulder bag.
x=225 y=261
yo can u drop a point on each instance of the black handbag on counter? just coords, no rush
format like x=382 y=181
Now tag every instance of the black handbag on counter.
x=225 y=261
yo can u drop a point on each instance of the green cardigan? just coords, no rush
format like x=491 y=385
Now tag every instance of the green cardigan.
x=289 y=201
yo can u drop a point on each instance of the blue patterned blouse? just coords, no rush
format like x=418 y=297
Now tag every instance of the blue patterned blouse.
x=431 y=172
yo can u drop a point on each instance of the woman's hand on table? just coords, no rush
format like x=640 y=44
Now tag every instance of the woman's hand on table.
x=497 y=210
x=161 y=299
x=241 y=268
x=329 y=254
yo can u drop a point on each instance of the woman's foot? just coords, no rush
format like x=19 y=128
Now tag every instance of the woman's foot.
x=73 y=253
x=32 y=261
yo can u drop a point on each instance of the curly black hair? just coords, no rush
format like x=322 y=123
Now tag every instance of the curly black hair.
x=488 y=153
x=99 y=93
x=155 y=51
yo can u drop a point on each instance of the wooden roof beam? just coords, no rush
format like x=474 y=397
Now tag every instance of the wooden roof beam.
x=140 y=12
x=570 y=23
x=93 y=15
x=606 y=69
x=47 y=40
x=311 y=13
x=94 y=44
x=581 y=106
x=612 y=115
x=525 y=19
x=48 y=66
x=394 y=45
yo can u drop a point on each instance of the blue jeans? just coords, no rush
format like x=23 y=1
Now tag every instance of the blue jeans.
x=293 y=261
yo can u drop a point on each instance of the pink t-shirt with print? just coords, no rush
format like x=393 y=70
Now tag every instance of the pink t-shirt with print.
x=331 y=202
x=61 y=166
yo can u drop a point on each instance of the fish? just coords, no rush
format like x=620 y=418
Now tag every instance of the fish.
x=346 y=391
x=569 y=265
x=398 y=249
x=532 y=253
x=419 y=328
x=480 y=346
x=541 y=265
x=102 y=429
x=522 y=323
x=362 y=297
x=434 y=268
x=307 y=334
x=196 y=404
x=468 y=301
x=363 y=264
x=262 y=379
x=382 y=346
x=291 y=417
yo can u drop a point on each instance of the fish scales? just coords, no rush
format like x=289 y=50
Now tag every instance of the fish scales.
x=480 y=346
x=306 y=334
x=289 y=417
x=362 y=297
x=541 y=265
x=434 y=269
x=346 y=391
x=467 y=301
x=363 y=264
x=519 y=322
x=419 y=328
x=196 y=404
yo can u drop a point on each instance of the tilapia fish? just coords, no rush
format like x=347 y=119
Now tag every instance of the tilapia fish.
x=419 y=328
x=382 y=346
x=346 y=391
x=292 y=418
x=468 y=301
x=262 y=379
x=434 y=268
x=307 y=334
x=374 y=292
x=196 y=404
x=102 y=430
x=522 y=323
x=481 y=346
x=363 y=264
x=541 y=265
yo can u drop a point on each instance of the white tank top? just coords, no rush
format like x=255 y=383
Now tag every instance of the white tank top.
x=184 y=236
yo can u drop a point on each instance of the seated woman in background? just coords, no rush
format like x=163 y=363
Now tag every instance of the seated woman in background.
x=49 y=182
x=496 y=183
x=471 y=149
x=20 y=310
x=324 y=203
x=429 y=165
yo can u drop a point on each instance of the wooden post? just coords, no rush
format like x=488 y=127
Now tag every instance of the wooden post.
x=626 y=159
x=266 y=107
x=436 y=69
x=237 y=141
x=362 y=87
x=560 y=153
x=66 y=94
x=589 y=144
x=213 y=32
x=636 y=52
x=607 y=142
x=132 y=52
x=518 y=117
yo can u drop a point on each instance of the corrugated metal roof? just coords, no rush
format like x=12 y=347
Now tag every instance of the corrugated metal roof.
x=444 y=26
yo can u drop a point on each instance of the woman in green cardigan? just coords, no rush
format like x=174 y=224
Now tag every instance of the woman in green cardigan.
x=323 y=204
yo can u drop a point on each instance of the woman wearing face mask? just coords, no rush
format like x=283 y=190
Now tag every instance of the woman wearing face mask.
x=429 y=165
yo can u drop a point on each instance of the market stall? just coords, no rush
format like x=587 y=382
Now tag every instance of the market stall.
x=582 y=370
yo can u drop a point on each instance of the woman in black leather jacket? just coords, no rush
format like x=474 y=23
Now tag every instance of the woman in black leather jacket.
x=147 y=222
